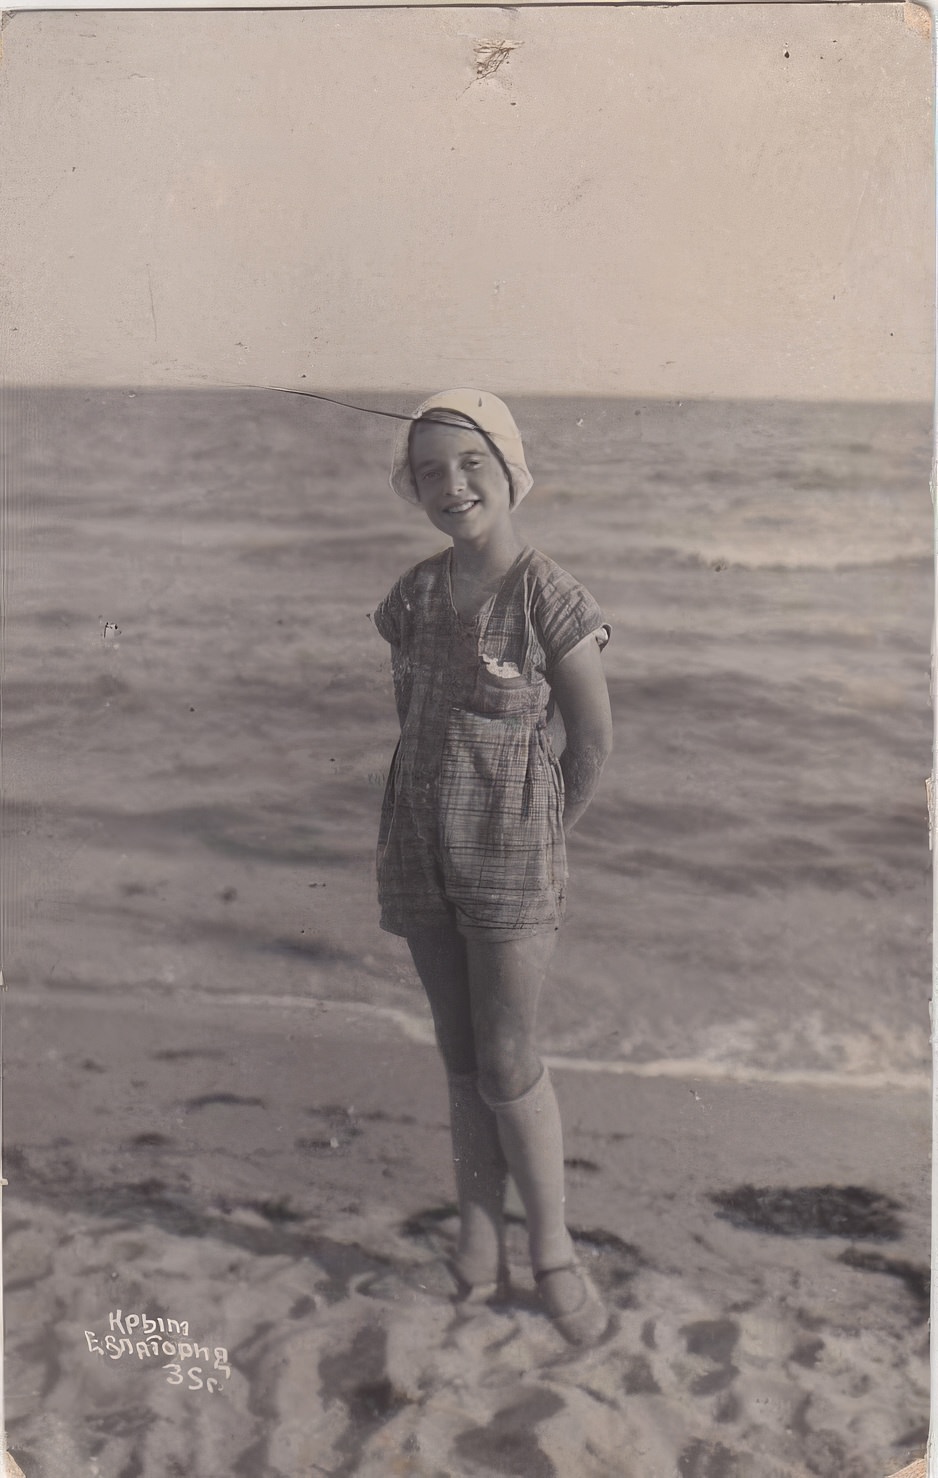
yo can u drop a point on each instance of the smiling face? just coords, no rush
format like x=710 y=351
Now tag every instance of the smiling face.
x=461 y=483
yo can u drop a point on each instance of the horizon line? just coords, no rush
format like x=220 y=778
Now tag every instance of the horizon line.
x=325 y=389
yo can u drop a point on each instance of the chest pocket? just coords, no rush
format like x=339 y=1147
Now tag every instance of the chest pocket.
x=509 y=680
x=502 y=691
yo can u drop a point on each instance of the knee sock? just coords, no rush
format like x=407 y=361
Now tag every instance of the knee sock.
x=481 y=1177
x=531 y=1136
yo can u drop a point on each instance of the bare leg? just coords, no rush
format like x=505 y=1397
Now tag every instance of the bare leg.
x=505 y=981
x=478 y=1160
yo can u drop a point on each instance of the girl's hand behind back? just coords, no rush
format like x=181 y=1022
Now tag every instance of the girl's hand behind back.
x=579 y=688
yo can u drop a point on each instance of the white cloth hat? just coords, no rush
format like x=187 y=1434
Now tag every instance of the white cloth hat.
x=486 y=412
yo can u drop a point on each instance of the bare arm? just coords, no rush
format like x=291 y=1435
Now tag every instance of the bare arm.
x=579 y=687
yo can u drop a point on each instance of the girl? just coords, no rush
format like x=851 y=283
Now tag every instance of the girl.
x=486 y=637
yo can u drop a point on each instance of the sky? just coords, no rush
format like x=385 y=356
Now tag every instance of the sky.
x=690 y=201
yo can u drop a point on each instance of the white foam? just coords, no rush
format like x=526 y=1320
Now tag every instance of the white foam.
x=419 y=1029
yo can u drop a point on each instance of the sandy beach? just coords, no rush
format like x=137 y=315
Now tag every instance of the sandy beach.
x=223 y=1105
x=293 y=1202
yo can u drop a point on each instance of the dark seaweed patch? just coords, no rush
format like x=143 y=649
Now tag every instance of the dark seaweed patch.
x=915 y=1278
x=233 y=1098
x=811 y=1211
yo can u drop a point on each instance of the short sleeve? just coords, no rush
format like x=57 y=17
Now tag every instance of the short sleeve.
x=387 y=617
x=567 y=614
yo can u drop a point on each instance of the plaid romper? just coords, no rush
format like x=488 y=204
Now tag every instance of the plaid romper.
x=471 y=826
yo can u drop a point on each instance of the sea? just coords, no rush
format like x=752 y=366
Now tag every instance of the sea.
x=197 y=715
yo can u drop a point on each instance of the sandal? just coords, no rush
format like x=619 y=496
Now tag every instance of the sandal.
x=588 y=1322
